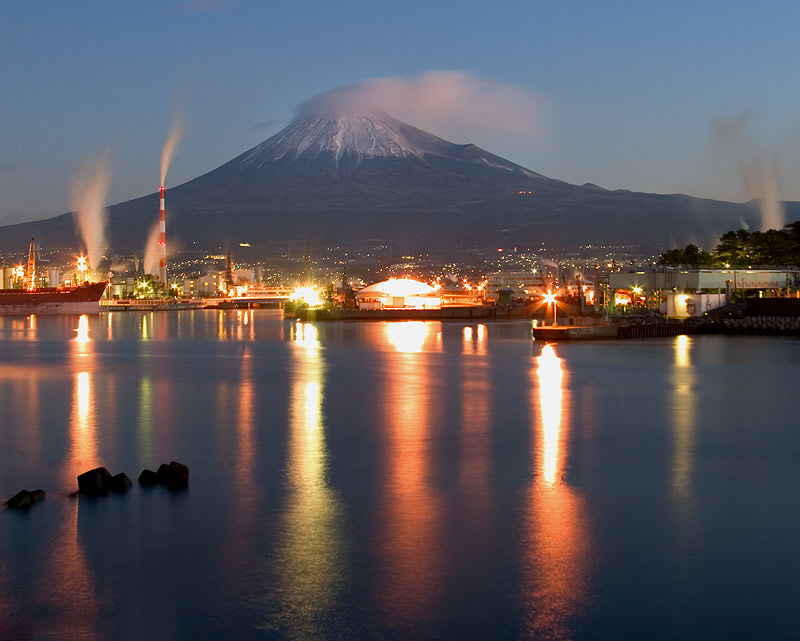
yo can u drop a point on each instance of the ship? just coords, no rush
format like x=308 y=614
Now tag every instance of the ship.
x=82 y=298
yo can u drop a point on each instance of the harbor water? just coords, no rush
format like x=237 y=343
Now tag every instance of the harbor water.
x=396 y=480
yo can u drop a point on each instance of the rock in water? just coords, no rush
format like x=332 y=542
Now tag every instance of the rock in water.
x=24 y=499
x=120 y=482
x=148 y=478
x=180 y=473
x=20 y=500
x=175 y=475
x=94 y=482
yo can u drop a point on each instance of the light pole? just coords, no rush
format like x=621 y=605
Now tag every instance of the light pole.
x=551 y=298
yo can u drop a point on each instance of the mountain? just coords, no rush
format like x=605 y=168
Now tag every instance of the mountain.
x=342 y=179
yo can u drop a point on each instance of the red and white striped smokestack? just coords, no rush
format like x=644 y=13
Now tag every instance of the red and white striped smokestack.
x=162 y=241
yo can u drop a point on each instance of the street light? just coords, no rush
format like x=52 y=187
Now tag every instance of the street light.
x=551 y=298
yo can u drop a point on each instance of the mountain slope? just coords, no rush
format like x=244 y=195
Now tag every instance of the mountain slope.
x=342 y=178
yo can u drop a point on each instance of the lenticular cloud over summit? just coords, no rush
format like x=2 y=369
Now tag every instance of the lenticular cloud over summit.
x=455 y=104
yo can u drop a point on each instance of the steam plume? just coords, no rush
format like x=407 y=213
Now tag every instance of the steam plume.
x=453 y=104
x=151 y=250
x=169 y=148
x=88 y=194
x=759 y=168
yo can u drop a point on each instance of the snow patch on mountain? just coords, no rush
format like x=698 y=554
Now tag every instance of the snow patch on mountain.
x=358 y=137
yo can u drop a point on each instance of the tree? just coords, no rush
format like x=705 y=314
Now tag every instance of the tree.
x=689 y=255
x=734 y=248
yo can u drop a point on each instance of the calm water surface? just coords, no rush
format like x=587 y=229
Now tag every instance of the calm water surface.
x=396 y=481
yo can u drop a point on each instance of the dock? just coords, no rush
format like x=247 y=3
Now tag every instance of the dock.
x=575 y=332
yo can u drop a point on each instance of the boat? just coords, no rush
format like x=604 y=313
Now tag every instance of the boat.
x=76 y=299
x=31 y=299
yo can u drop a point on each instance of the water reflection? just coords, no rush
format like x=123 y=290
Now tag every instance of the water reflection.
x=683 y=408
x=410 y=532
x=145 y=422
x=83 y=434
x=310 y=563
x=550 y=379
x=82 y=332
x=83 y=453
x=475 y=420
x=246 y=423
x=408 y=337
x=475 y=339
x=557 y=542
x=66 y=590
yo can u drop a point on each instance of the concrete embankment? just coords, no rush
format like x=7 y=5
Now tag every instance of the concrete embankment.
x=575 y=333
x=473 y=312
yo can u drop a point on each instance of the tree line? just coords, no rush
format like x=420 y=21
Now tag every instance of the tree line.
x=742 y=247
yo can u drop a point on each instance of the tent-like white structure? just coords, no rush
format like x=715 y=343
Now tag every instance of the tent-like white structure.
x=399 y=293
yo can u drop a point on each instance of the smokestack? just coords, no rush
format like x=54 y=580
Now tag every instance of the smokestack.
x=162 y=266
x=30 y=273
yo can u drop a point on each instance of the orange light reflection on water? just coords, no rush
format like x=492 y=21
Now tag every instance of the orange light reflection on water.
x=475 y=339
x=683 y=409
x=407 y=337
x=310 y=555
x=66 y=590
x=550 y=377
x=410 y=534
x=83 y=454
x=82 y=332
x=246 y=423
x=557 y=542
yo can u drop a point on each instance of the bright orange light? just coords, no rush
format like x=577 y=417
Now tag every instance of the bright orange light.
x=306 y=335
x=549 y=297
x=622 y=298
x=83 y=329
x=550 y=375
x=308 y=295
x=400 y=287
x=407 y=337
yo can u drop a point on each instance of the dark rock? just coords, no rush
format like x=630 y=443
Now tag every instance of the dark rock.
x=180 y=473
x=175 y=475
x=94 y=482
x=36 y=496
x=163 y=474
x=148 y=478
x=120 y=482
x=20 y=500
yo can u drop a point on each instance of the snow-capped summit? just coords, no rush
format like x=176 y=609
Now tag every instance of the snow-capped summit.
x=343 y=139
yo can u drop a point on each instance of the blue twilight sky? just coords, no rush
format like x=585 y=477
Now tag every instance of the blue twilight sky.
x=674 y=96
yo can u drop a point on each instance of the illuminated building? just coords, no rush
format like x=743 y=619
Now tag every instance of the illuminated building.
x=399 y=293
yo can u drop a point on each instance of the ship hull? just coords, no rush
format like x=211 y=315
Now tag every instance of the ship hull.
x=82 y=299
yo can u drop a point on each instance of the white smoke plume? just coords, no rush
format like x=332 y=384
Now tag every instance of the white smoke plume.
x=152 y=255
x=88 y=193
x=759 y=168
x=168 y=151
x=451 y=104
